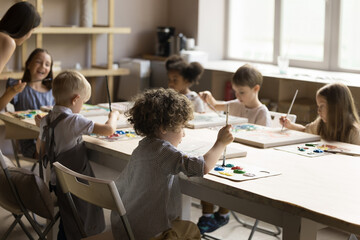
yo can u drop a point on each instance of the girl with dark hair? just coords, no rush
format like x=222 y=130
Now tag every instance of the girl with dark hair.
x=338 y=118
x=37 y=91
x=182 y=76
x=16 y=26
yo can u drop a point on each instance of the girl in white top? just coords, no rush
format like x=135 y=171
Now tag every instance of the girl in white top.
x=182 y=76
x=16 y=26
x=338 y=119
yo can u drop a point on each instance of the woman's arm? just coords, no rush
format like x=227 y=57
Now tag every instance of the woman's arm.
x=7 y=48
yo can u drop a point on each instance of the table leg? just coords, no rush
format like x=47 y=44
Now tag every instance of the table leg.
x=297 y=228
x=186 y=207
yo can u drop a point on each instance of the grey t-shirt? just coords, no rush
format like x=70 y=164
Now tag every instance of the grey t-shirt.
x=259 y=115
x=68 y=133
x=149 y=187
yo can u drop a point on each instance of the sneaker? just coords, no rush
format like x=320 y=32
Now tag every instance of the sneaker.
x=220 y=219
x=207 y=224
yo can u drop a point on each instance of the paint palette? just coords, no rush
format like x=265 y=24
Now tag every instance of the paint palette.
x=203 y=120
x=265 y=137
x=236 y=171
x=119 y=135
x=316 y=149
x=28 y=114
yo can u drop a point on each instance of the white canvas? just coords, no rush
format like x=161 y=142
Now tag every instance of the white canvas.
x=265 y=137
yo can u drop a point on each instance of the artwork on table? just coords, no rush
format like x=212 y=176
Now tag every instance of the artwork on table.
x=199 y=148
x=118 y=106
x=236 y=171
x=211 y=119
x=318 y=149
x=28 y=114
x=121 y=122
x=86 y=110
x=119 y=135
x=265 y=137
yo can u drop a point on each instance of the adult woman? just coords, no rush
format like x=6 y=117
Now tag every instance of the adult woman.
x=16 y=26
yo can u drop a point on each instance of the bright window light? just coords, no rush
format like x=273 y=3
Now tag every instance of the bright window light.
x=251 y=30
x=349 y=40
x=302 y=31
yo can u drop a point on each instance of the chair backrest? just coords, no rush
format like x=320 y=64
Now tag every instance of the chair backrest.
x=100 y=192
x=275 y=116
x=22 y=190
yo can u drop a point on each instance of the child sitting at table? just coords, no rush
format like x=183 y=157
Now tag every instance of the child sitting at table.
x=246 y=83
x=182 y=76
x=338 y=119
x=36 y=93
x=149 y=185
x=61 y=140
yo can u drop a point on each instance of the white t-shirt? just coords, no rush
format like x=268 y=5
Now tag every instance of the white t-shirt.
x=198 y=104
x=68 y=133
x=259 y=115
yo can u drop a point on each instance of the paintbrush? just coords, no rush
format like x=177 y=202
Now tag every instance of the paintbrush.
x=227 y=118
x=291 y=105
x=108 y=92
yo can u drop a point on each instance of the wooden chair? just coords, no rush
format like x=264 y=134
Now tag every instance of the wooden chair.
x=275 y=116
x=23 y=192
x=102 y=193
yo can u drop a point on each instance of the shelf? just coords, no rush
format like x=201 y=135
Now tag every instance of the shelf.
x=82 y=30
x=90 y=72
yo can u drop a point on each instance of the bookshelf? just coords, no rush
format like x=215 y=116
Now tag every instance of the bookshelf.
x=94 y=31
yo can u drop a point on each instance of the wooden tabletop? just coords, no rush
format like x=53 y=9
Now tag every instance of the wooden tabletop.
x=323 y=189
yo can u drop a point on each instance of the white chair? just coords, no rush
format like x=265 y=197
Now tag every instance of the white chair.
x=102 y=193
x=275 y=116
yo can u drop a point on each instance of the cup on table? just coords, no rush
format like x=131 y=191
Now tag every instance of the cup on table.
x=283 y=64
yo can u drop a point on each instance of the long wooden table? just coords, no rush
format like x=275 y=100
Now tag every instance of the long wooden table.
x=310 y=192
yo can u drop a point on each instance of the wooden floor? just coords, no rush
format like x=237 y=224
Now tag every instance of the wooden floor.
x=233 y=230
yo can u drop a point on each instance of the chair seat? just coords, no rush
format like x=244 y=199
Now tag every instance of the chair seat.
x=107 y=235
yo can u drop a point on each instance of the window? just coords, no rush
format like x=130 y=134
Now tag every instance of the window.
x=349 y=37
x=251 y=37
x=311 y=33
x=302 y=30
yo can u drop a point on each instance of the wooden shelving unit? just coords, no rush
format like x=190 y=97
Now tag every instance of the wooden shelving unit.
x=95 y=70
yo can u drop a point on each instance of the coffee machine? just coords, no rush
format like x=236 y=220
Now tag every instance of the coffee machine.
x=165 y=45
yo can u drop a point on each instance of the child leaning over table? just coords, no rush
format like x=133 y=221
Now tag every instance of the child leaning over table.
x=65 y=145
x=338 y=118
x=149 y=185
x=246 y=83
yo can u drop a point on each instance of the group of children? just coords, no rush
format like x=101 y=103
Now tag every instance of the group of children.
x=149 y=184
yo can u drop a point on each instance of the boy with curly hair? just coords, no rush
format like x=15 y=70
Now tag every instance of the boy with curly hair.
x=149 y=184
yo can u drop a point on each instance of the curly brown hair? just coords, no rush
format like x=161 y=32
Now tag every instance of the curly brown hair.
x=159 y=108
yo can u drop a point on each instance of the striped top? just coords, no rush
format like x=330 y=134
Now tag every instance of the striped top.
x=149 y=187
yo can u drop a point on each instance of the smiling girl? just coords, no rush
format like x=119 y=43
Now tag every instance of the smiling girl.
x=37 y=92
x=338 y=119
